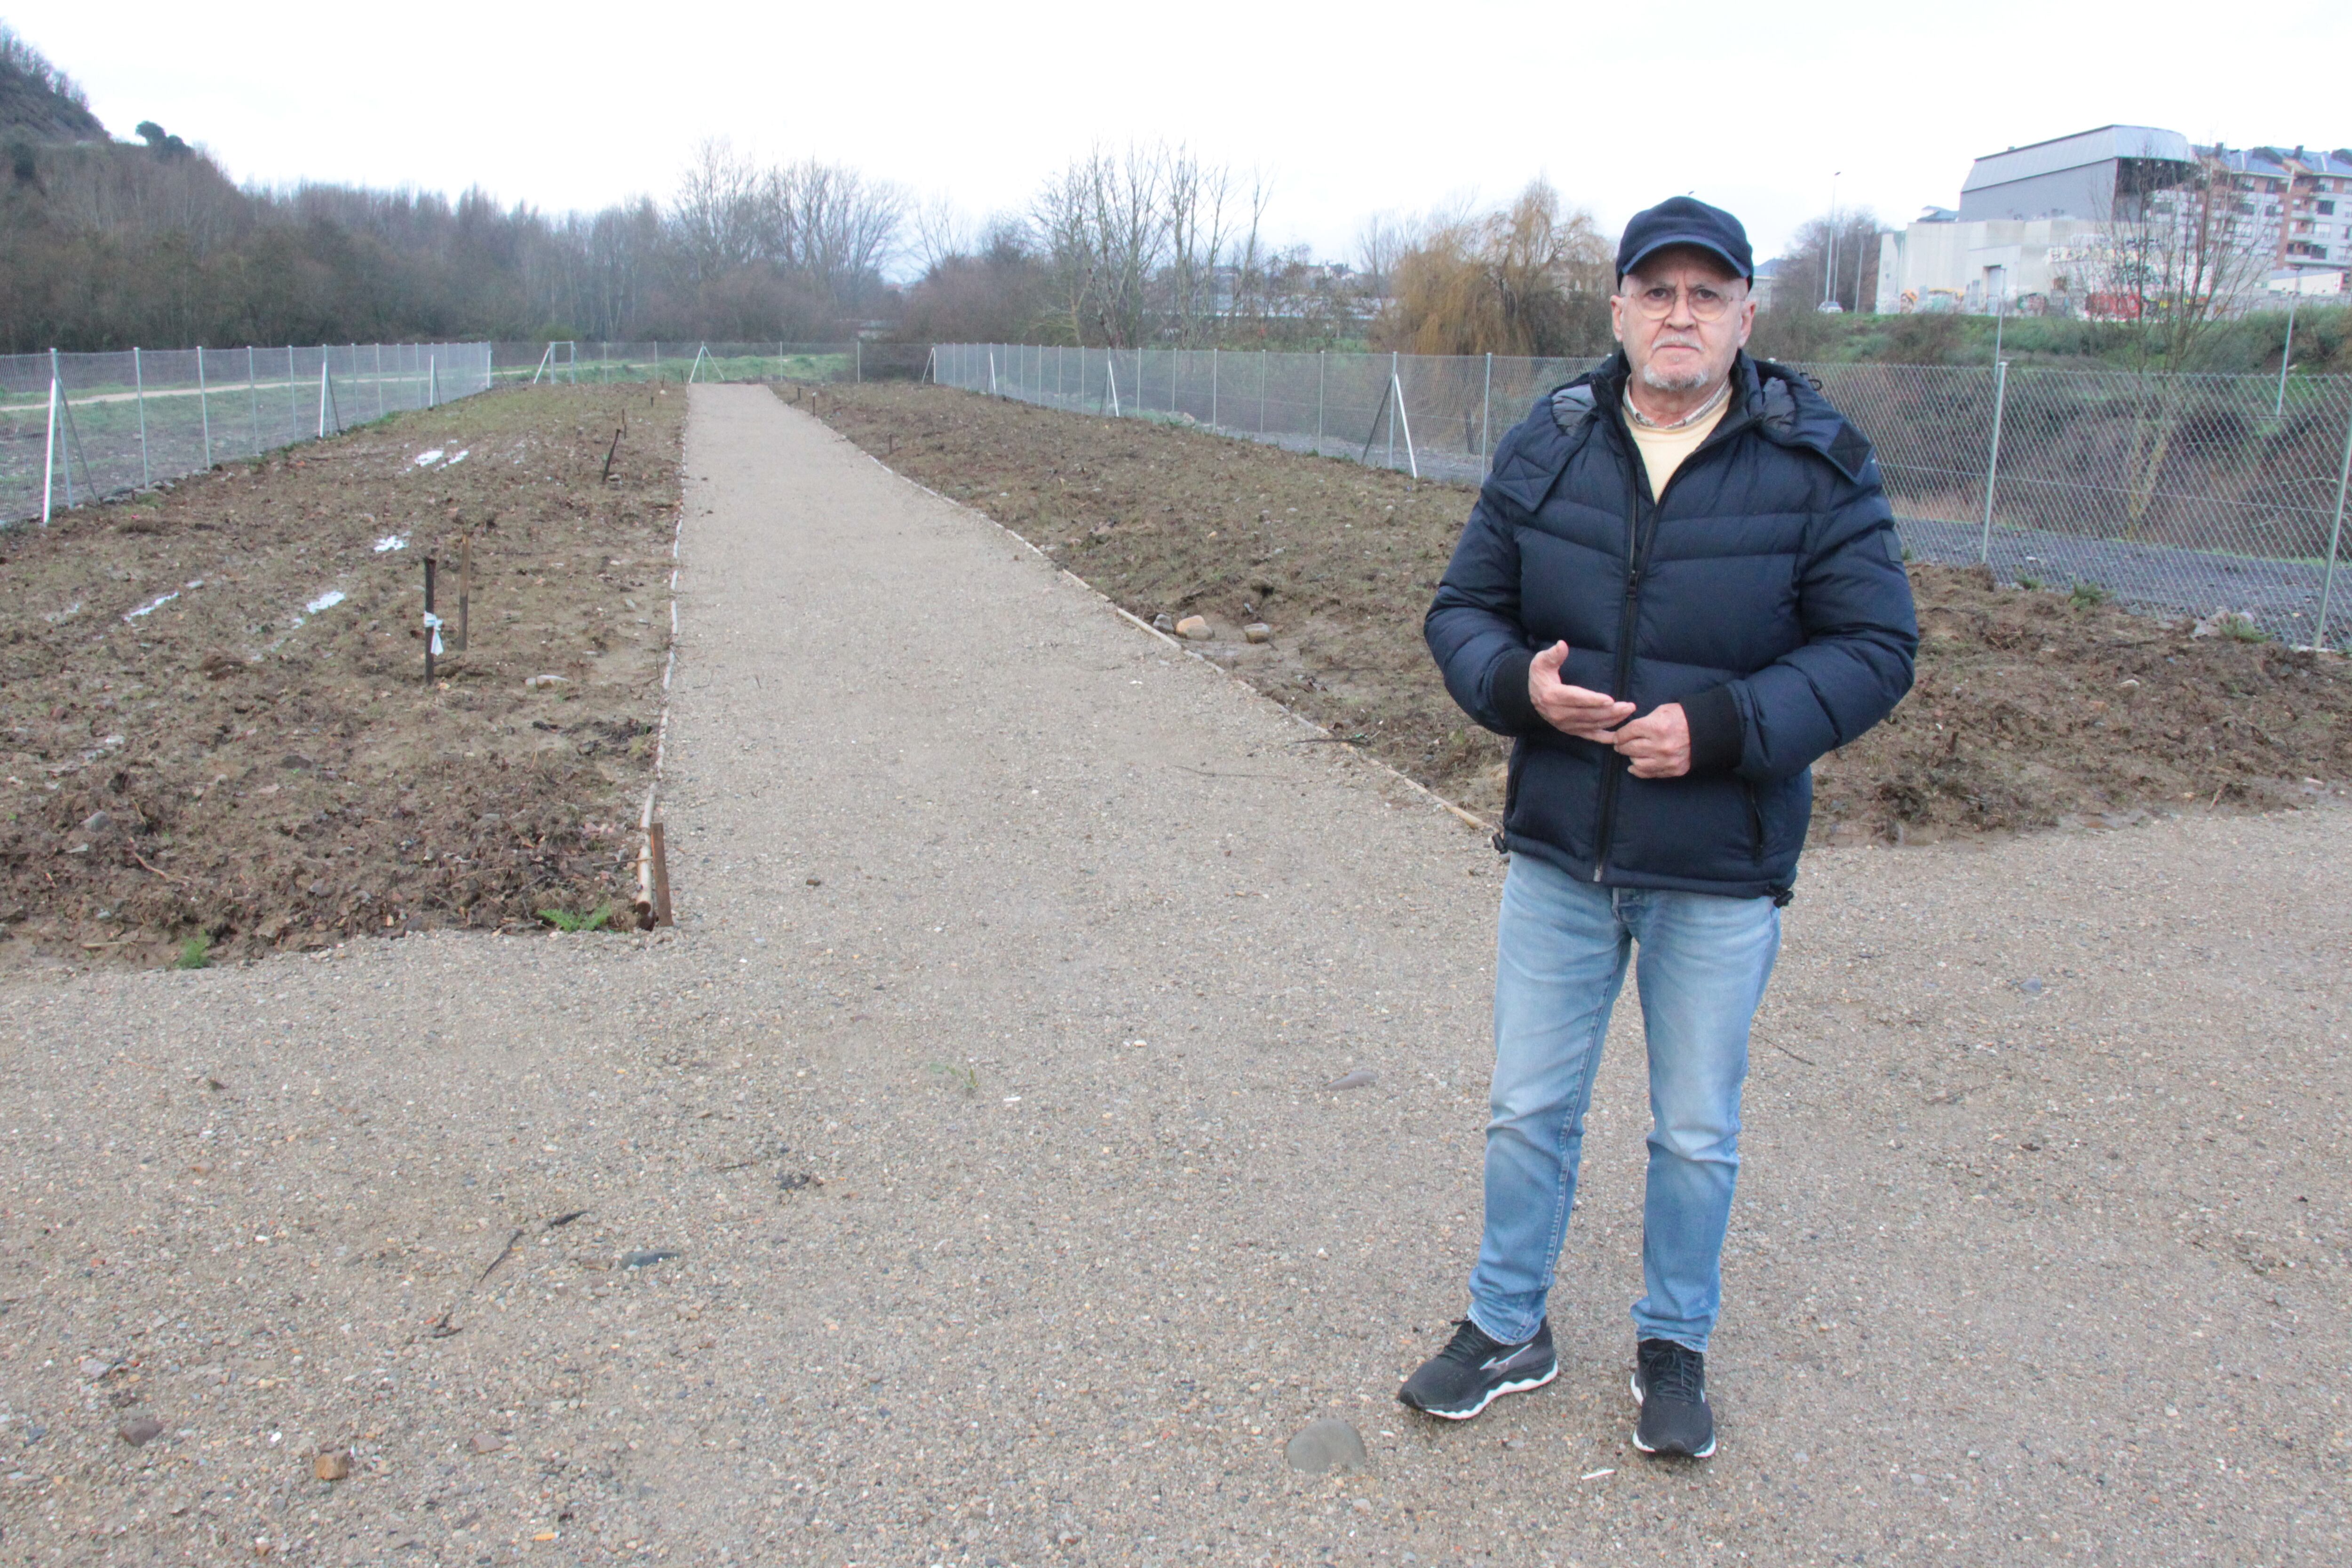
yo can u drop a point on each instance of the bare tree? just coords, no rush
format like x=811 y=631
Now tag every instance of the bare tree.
x=723 y=210
x=2175 y=264
x=993 y=291
x=835 y=226
x=941 y=233
x=1103 y=223
x=1832 y=260
x=1380 y=243
x=1198 y=200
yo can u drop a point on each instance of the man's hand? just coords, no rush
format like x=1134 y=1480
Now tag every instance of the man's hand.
x=1573 y=711
x=1657 y=743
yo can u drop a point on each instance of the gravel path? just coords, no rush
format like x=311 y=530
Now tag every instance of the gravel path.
x=977 y=1096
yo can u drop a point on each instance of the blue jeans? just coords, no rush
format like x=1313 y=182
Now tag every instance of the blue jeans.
x=1560 y=956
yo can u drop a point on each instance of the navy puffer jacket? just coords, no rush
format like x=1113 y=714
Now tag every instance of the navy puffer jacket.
x=1764 y=591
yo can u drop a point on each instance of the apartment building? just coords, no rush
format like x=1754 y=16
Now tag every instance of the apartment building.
x=2298 y=206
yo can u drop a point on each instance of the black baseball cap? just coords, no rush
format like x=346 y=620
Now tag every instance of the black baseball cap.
x=1683 y=220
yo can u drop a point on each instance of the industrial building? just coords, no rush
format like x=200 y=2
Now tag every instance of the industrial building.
x=2033 y=219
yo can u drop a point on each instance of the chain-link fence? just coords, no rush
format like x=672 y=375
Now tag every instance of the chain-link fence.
x=2192 y=494
x=596 y=364
x=76 y=429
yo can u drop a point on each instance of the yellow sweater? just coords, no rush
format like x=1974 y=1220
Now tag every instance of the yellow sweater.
x=1663 y=451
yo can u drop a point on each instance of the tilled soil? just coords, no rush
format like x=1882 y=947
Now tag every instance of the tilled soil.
x=2030 y=710
x=214 y=724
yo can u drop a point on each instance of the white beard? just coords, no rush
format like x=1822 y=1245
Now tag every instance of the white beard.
x=1691 y=380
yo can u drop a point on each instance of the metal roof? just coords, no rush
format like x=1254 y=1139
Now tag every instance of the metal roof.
x=2084 y=147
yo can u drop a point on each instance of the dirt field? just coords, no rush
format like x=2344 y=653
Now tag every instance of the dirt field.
x=2030 y=710
x=959 y=1182
x=213 y=723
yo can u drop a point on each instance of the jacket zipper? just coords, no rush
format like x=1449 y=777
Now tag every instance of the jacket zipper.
x=1611 y=770
x=1637 y=545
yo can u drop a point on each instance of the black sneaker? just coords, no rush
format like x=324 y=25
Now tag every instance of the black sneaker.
x=1670 y=1382
x=1474 y=1369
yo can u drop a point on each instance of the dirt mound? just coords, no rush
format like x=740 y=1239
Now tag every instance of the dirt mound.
x=2033 y=709
x=213 y=721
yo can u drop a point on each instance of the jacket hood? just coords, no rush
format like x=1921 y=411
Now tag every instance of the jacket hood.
x=1785 y=405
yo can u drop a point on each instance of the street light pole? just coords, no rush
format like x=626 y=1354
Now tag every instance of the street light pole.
x=1829 y=270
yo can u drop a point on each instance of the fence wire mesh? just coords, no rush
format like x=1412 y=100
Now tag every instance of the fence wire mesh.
x=596 y=364
x=2204 y=495
x=120 y=421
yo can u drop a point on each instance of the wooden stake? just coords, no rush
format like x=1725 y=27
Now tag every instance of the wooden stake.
x=465 y=588
x=661 y=876
x=608 y=456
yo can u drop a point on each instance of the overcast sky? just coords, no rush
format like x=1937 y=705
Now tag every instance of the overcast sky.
x=1347 y=109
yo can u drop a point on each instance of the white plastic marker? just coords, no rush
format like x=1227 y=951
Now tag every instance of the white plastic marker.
x=427 y=459
x=433 y=624
x=326 y=601
x=389 y=541
x=151 y=609
x=460 y=457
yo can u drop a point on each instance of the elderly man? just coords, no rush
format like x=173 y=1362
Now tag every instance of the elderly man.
x=1680 y=585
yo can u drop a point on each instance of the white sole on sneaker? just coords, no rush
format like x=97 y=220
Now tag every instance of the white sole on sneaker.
x=1706 y=1453
x=1493 y=1394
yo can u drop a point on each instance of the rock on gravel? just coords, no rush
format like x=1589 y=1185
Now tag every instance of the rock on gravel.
x=1328 y=1445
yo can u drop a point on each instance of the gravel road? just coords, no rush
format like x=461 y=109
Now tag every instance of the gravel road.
x=968 y=1140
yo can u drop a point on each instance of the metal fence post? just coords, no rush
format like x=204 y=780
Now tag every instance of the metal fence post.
x=139 y=379
x=205 y=404
x=1485 y=411
x=857 y=369
x=1261 y=391
x=2334 y=533
x=1992 y=461
x=1212 y=387
x=1320 y=361
x=379 y=380
x=49 y=447
x=2286 y=355
x=253 y=398
x=1394 y=387
x=293 y=403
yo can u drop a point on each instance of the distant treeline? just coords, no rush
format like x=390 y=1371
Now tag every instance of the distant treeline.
x=106 y=245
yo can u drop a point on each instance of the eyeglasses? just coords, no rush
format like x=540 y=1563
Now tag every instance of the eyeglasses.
x=1707 y=301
